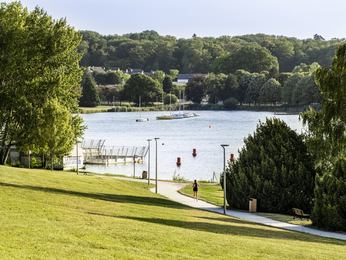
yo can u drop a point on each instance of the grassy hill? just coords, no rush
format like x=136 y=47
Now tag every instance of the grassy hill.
x=59 y=215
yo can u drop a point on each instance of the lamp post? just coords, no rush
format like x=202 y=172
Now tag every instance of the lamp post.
x=149 y=140
x=224 y=178
x=134 y=166
x=77 y=154
x=156 y=166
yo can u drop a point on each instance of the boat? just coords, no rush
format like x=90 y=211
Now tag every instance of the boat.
x=195 y=114
x=140 y=119
x=164 y=117
x=178 y=116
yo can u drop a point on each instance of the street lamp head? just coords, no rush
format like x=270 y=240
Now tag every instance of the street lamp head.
x=223 y=145
x=156 y=138
x=149 y=140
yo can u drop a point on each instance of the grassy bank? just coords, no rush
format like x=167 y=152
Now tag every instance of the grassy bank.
x=214 y=194
x=59 y=215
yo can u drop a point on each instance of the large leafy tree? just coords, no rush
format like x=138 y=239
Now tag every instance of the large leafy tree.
x=38 y=67
x=253 y=58
x=144 y=86
x=215 y=85
x=253 y=91
x=326 y=139
x=274 y=167
x=271 y=91
x=289 y=86
x=196 y=89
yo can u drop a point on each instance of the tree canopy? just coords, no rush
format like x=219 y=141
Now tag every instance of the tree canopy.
x=39 y=71
x=144 y=86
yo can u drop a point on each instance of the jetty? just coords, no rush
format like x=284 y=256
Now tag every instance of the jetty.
x=95 y=152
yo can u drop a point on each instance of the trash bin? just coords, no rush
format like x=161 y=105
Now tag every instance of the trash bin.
x=144 y=174
x=253 y=205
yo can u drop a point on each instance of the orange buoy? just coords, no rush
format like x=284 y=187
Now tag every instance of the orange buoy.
x=178 y=161
x=194 y=153
x=210 y=126
x=232 y=157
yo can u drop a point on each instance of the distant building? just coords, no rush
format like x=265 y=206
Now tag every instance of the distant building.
x=113 y=69
x=97 y=69
x=184 y=78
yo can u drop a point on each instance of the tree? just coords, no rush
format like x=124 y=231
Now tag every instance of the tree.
x=174 y=74
x=306 y=68
x=231 y=103
x=170 y=99
x=114 y=77
x=90 y=96
x=330 y=198
x=141 y=85
x=310 y=90
x=38 y=67
x=244 y=82
x=167 y=84
x=274 y=167
x=158 y=75
x=326 y=140
x=253 y=58
x=231 y=88
x=289 y=86
x=283 y=77
x=100 y=78
x=253 y=91
x=196 y=89
x=270 y=92
x=215 y=85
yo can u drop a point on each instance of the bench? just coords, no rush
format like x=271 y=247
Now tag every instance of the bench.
x=298 y=213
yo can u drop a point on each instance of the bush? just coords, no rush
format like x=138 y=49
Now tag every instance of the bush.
x=231 y=104
x=170 y=99
x=274 y=167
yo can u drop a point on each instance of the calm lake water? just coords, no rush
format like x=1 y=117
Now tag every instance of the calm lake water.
x=178 y=138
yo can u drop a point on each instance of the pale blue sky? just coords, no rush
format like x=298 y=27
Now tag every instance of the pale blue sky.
x=293 y=18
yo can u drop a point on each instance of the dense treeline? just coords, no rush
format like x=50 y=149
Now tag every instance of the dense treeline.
x=150 y=51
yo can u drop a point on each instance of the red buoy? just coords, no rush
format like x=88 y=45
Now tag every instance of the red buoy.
x=232 y=157
x=194 y=153
x=178 y=161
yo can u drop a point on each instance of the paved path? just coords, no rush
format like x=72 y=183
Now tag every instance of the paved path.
x=170 y=190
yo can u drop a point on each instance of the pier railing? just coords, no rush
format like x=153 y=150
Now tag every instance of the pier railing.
x=94 y=151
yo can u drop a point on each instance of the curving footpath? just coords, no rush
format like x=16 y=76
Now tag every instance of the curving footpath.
x=170 y=190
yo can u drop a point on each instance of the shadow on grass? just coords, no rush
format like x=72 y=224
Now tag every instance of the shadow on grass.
x=250 y=230
x=118 y=198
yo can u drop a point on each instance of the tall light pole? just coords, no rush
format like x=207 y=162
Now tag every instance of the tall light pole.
x=149 y=140
x=224 y=178
x=156 y=165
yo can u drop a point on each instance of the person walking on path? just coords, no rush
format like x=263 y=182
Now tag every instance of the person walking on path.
x=195 y=190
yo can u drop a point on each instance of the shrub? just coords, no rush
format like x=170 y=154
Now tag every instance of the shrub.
x=275 y=168
x=330 y=198
x=231 y=103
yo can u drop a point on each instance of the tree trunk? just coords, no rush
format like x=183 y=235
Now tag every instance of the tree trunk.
x=7 y=153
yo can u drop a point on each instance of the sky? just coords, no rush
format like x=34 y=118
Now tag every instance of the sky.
x=214 y=18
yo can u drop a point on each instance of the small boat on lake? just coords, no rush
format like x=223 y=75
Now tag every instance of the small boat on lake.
x=140 y=119
x=164 y=117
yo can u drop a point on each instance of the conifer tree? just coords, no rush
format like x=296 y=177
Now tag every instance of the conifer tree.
x=330 y=198
x=90 y=97
x=275 y=168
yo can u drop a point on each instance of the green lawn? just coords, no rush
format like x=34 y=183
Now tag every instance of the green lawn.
x=59 y=215
x=214 y=194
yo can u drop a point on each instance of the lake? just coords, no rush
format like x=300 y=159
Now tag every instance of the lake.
x=178 y=138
